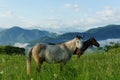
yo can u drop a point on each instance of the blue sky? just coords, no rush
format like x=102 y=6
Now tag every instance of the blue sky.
x=59 y=15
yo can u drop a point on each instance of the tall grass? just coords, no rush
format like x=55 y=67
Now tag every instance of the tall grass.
x=104 y=66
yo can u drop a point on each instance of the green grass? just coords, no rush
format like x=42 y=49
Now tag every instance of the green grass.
x=95 y=66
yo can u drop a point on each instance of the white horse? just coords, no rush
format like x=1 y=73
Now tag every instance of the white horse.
x=59 y=53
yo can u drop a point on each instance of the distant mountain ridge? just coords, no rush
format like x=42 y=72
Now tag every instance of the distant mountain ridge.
x=100 y=33
x=1 y=29
x=106 y=32
x=17 y=34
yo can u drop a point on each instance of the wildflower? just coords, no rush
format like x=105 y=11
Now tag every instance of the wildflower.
x=55 y=75
x=1 y=72
x=31 y=79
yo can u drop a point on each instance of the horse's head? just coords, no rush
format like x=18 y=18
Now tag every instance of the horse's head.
x=94 y=42
x=79 y=41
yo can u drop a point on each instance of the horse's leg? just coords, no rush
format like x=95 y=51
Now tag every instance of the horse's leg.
x=39 y=64
x=61 y=65
x=79 y=53
x=78 y=56
x=38 y=61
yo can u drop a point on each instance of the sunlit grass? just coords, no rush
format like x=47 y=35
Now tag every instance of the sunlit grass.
x=95 y=66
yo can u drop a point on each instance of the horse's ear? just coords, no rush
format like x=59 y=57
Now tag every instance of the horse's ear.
x=77 y=36
x=91 y=37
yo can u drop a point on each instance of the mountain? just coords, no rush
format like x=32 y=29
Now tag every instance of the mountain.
x=17 y=34
x=100 y=33
x=106 y=32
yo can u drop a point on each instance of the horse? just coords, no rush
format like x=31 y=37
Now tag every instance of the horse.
x=91 y=41
x=59 y=53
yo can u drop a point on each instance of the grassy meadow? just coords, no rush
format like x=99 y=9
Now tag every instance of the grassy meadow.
x=94 y=66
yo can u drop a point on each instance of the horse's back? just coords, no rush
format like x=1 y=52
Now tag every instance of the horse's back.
x=39 y=47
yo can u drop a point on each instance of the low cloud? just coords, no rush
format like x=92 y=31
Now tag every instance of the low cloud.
x=107 y=42
x=21 y=45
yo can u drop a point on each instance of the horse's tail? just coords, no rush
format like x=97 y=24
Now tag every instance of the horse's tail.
x=29 y=60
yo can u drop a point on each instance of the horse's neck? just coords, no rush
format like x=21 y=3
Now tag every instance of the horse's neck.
x=71 y=45
x=86 y=45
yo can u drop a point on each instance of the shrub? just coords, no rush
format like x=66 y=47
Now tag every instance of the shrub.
x=11 y=50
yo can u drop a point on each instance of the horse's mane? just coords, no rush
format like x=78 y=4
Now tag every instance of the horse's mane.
x=51 y=43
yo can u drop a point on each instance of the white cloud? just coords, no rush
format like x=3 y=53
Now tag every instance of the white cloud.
x=104 y=17
x=67 y=5
x=107 y=12
x=74 y=7
x=9 y=19
x=51 y=23
x=107 y=16
x=8 y=14
x=58 y=25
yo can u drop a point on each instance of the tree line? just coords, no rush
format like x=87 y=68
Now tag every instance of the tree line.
x=11 y=50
